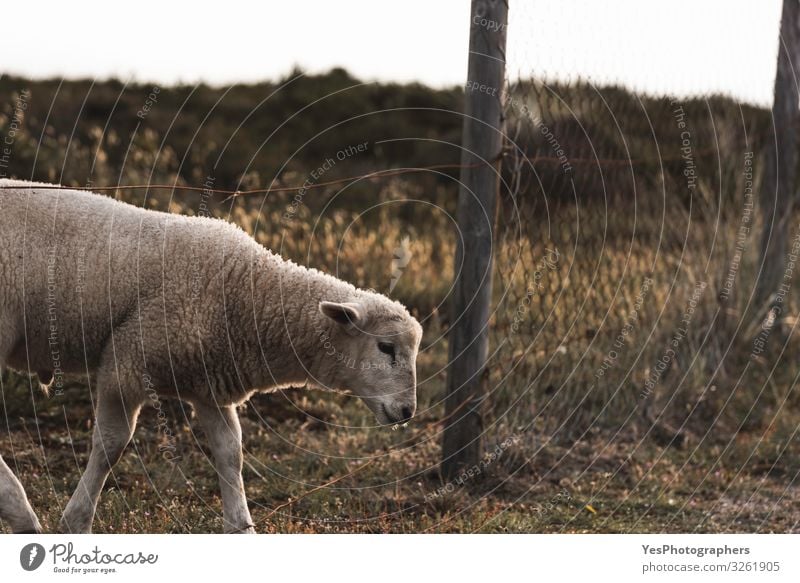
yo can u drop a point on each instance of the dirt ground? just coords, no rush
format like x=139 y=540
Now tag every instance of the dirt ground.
x=316 y=465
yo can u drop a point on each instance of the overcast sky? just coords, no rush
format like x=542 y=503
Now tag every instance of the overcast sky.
x=683 y=46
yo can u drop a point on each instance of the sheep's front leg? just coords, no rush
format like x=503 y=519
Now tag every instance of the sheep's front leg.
x=224 y=435
x=14 y=506
x=115 y=421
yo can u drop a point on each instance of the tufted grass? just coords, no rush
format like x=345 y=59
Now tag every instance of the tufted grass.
x=708 y=460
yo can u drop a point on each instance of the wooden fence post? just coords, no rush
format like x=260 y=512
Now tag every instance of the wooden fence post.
x=482 y=142
x=778 y=188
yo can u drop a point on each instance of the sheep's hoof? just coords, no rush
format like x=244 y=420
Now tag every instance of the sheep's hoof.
x=249 y=529
x=30 y=525
x=37 y=530
x=66 y=526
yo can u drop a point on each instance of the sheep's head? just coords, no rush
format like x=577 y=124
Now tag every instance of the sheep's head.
x=373 y=350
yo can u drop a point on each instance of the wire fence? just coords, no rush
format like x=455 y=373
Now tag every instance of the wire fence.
x=626 y=260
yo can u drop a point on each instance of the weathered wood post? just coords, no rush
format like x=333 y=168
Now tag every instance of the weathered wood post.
x=482 y=142
x=778 y=188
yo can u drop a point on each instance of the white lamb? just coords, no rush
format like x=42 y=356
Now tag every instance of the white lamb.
x=188 y=307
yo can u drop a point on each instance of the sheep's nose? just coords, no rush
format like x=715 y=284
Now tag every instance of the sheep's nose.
x=407 y=412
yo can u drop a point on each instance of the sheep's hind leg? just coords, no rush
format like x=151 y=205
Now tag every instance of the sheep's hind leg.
x=14 y=506
x=224 y=435
x=15 y=509
x=115 y=421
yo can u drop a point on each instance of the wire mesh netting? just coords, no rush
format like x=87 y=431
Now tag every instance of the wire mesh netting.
x=627 y=258
x=620 y=216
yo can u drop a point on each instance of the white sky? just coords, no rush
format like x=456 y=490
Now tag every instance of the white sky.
x=676 y=46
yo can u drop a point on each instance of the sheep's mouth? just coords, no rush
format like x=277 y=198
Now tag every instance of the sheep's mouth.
x=392 y=420
x=386 y=418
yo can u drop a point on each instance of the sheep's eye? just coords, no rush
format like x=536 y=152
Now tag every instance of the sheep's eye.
x=386 y=348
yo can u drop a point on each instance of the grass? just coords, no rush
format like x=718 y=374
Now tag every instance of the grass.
x=603 y=438
x=307 y=475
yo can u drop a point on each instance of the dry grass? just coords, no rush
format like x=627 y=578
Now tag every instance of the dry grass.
x=383 y=478
x=703 y=451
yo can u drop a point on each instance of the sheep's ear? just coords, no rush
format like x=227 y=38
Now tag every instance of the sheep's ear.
x=347 y=314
